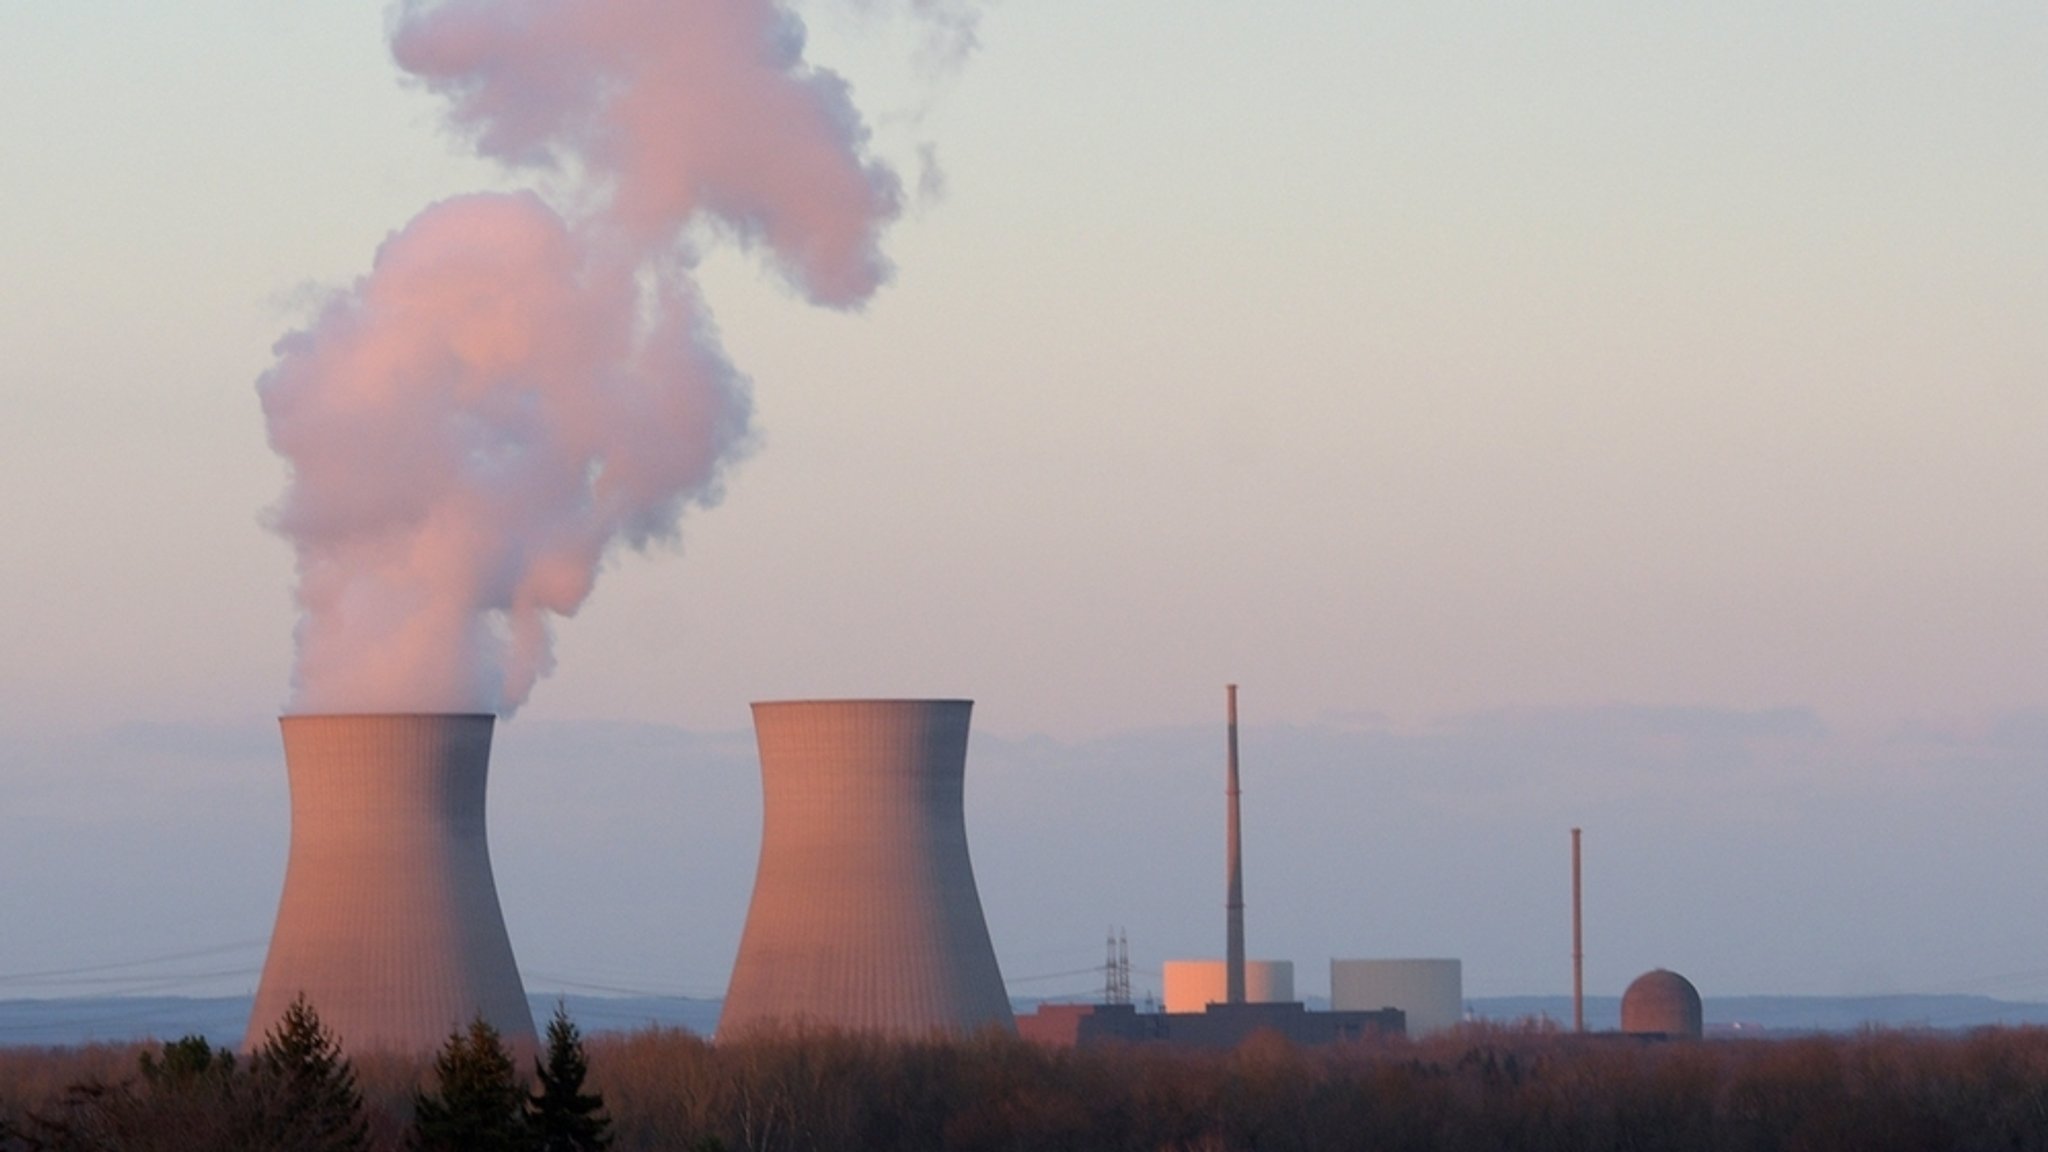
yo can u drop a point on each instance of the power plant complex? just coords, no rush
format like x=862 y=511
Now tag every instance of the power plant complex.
x=865 y=914
x=389 y=924
x=1211 y=1003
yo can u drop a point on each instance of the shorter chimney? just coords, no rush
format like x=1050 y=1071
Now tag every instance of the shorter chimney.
x=1233 y=904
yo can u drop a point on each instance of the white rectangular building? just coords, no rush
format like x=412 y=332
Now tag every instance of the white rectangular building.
x=1431 y=992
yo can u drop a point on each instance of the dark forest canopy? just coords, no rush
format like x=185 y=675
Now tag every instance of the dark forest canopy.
x=1479 y=1089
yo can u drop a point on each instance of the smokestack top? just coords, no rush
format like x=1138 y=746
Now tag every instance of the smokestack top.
x=362 y=728
x=870 y=717
x=837 y=745
x=288 y=716
x=815 y=701
x=355 y=735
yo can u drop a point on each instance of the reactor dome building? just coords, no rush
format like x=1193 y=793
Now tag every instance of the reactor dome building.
x=1662 y=1003
x=865 y=914
x=389 y=924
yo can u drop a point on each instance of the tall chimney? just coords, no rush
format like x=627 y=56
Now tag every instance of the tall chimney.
x=1578 y=946
x=1233 y=905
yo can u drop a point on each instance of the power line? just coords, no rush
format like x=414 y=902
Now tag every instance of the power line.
x=1091 y=970
x=59 y=974
x=556 y=980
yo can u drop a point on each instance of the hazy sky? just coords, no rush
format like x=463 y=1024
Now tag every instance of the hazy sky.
x=1578 y=414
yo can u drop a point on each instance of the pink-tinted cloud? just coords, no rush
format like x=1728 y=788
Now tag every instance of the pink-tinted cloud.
x=514 y=390
x=675 y=108
x=470 y=429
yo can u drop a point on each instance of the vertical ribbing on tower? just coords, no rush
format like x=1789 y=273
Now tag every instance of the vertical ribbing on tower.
x=1233 y=906
x=389 y=923
x=865 y=915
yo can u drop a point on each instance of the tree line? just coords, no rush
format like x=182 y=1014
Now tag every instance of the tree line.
x=297 y=1092
x=1477 y=1088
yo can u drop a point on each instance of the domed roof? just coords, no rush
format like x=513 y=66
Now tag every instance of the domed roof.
x=1661 y=1003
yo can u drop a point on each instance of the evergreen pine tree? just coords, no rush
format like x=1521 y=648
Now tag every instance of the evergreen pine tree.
x=479 y=1105
x=317 y=1105
x=564 y=1119
x=185 y=1063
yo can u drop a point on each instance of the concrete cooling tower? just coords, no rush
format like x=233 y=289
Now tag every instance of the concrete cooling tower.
x=389 y=924
x=865 y=914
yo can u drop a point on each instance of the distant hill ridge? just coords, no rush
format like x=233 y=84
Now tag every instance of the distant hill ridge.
x=1791 y=1013
x=221 y=1019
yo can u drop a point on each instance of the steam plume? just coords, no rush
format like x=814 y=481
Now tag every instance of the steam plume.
x=518 y=386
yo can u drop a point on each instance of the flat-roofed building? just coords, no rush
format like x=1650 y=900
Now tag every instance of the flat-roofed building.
x=1430 y=992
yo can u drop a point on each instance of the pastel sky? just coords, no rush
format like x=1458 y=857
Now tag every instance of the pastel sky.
x=1560 y=413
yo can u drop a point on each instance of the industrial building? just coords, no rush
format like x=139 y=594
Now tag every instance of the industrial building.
x=1216 y=1026
x=865 y=914
x=1193 y=985
x=1430 y=993
x=389 y=924
x=1662 y=1003
x=1215 y=1003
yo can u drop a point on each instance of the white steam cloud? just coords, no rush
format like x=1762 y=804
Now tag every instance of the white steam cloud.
x=516 y=388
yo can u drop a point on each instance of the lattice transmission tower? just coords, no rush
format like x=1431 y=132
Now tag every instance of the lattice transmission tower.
x=1116 y=968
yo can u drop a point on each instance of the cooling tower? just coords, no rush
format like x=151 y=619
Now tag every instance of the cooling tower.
x=865 y=914
x=389 y=924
